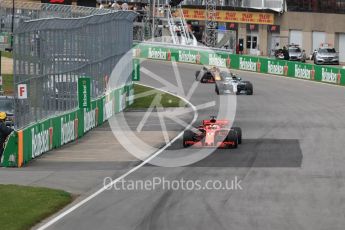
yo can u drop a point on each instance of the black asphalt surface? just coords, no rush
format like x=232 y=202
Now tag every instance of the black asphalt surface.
x=291 y=166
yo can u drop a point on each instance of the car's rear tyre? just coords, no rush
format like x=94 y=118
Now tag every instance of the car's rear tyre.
x=188 y=135
x=232 y=137
x=197 y=73
x=239 y=134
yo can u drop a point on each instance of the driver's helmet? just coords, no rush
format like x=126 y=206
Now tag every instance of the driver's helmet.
x=217 y=77
x=214 y=126
x=3 y=116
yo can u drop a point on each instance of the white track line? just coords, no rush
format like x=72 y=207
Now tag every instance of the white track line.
x=87 y=199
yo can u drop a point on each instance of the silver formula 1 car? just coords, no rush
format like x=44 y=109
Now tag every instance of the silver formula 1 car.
x=230 y=83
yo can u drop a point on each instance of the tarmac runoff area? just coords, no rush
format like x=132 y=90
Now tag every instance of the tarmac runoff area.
x=80 y=166
x=291 y=167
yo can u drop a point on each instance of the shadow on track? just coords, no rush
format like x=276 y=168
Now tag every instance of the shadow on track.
x=251 y=153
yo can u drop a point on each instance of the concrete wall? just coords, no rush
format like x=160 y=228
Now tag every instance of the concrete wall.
x=263 y=40
x=308 y=41
x=313 y=21
x=309 y=22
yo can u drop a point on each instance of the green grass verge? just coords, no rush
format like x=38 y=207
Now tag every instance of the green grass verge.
x=7 y=84
x=22 y=207
x=145 y=96
x=6 y=54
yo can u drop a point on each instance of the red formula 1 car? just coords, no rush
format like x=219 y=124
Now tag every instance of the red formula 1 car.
x=213 y=133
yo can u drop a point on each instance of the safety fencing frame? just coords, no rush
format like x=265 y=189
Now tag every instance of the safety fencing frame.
x=50 y=55
x=197 y=55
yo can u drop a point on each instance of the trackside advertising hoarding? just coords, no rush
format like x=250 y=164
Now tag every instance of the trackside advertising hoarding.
x=326 y=74
x=34 y=140
x=84 y=92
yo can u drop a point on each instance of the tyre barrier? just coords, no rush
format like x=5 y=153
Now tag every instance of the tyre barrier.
x=32 y=141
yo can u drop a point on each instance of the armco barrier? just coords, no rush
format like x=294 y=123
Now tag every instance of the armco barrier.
x=36 y=139
x=195 y=55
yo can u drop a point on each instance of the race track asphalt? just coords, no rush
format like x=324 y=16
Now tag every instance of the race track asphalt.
x=291 y=166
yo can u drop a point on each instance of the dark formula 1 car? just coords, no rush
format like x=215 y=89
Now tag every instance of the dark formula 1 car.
x=230 y=83
x=213 y=133
x=208 y=74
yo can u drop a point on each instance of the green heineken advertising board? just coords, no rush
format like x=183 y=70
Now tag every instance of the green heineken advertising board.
x=136 y=70
x=326 y=74
x=84 y=92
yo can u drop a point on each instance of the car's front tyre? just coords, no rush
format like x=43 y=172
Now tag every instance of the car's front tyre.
x=232 y=137
x=249 y=91
x=239 y=134
x=188 y=135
